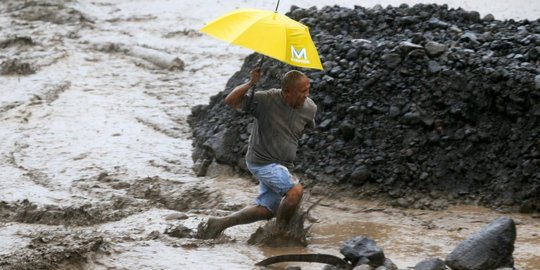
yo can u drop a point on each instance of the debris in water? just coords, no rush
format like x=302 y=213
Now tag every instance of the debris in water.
x=16 y=67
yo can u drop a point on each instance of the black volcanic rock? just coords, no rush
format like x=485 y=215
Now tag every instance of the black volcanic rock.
x=489 y=248
x=427 y=97
x=363 y=250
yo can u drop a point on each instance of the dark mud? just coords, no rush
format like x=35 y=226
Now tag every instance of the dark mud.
x=52 y=11
x=88 y=214
x=176 y=195
x=425 y=105
x=141 y=195
x=25 y=54
x=55 y=251
x=16 y=67
x=54 y=248
x=17 y=42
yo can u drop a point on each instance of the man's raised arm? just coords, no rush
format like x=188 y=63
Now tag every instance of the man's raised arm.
x=236 y=96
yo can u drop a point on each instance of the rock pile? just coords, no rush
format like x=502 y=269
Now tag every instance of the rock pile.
x=420 y=103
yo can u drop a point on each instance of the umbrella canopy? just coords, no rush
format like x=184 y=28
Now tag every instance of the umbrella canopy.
x=267 y=33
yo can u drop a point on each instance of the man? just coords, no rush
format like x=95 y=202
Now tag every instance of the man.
x=281 y=115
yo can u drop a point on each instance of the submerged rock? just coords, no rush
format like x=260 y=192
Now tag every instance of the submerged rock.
x=431 y=264
x=363 y=250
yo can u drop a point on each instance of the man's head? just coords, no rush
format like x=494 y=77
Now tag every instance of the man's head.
x=295 y=87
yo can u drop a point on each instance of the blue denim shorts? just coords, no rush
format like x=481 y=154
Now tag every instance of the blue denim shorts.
x=274 y=181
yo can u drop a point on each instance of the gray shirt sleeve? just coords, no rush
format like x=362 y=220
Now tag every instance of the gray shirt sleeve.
x=254 y=103
x=311 y=124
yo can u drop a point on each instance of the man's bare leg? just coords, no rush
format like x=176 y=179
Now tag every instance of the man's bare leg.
x=289 y=204
x=249 y=214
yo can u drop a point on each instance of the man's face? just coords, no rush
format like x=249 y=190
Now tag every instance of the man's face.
x=298 y=93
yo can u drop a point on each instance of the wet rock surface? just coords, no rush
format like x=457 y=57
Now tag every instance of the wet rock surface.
x=363 y=251
x=424 y=104
x=431 y=264
x=490 y=248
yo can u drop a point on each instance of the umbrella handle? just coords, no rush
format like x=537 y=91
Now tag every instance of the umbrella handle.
x=250 y=102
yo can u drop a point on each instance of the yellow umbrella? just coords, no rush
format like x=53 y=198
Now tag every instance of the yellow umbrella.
x=268 y=33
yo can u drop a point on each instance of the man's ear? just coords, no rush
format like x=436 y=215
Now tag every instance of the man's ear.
x=287 y=90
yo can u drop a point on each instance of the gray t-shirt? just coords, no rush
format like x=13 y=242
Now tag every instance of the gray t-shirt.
x=277 y=128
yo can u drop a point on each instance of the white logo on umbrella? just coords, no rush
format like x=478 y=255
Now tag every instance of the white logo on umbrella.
x=299 y=55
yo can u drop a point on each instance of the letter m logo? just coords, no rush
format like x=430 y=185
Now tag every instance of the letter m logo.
x=299 y=55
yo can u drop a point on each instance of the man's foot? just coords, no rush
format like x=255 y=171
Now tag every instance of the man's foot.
x=210 y=229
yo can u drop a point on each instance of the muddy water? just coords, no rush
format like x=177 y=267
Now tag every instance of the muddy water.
x=409 y=236
x=95 y=149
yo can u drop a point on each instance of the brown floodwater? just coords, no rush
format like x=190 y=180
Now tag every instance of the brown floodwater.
x=409 y=236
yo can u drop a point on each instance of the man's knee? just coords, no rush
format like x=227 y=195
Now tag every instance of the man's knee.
x=264 y=212
x=296 y=192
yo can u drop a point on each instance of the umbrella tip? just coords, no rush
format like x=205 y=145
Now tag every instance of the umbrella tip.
x=277 y=5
